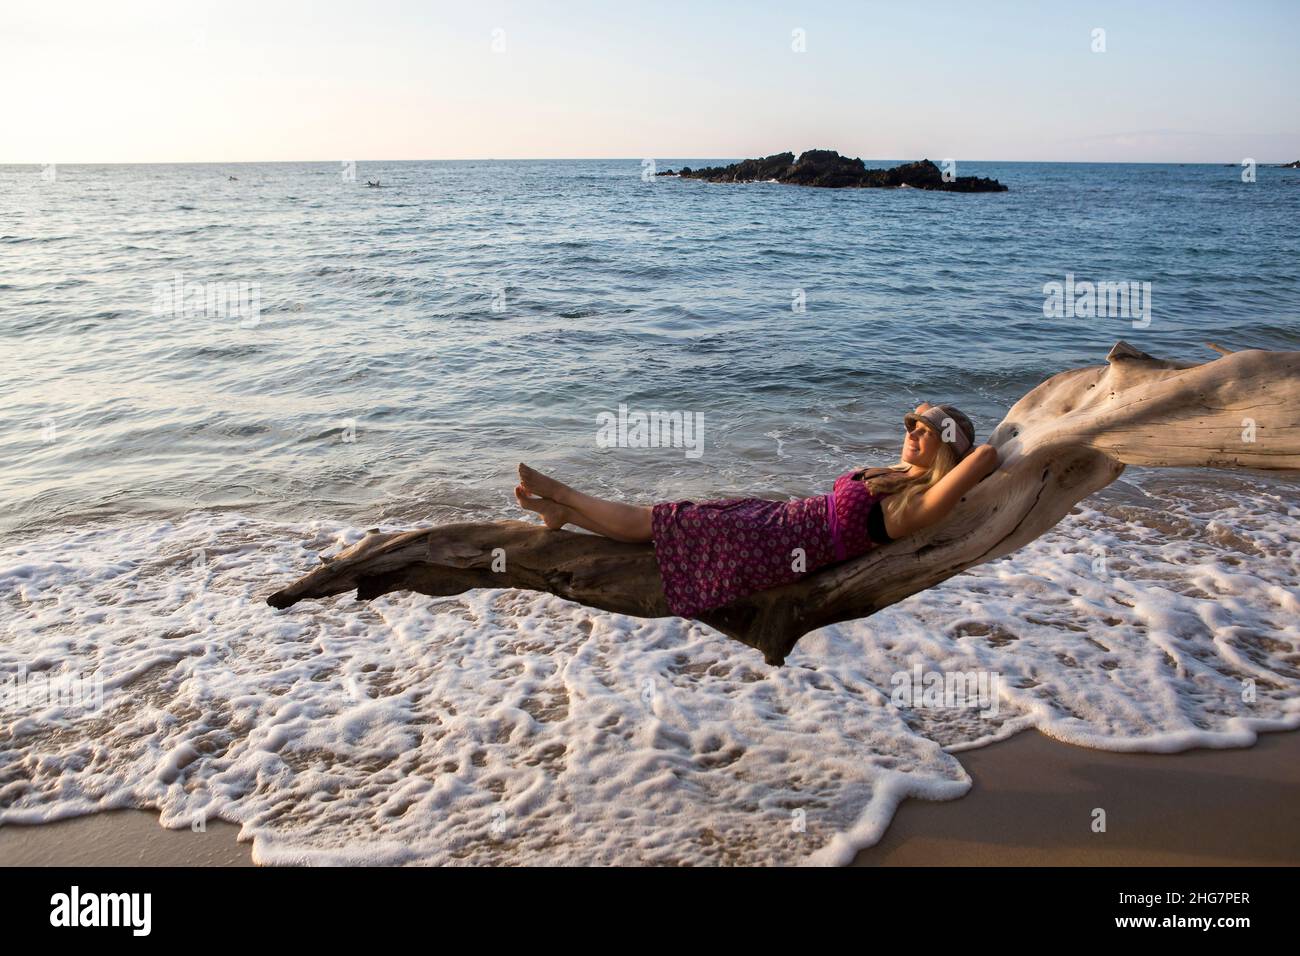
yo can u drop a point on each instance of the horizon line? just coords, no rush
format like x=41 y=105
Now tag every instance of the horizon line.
x=632 y=159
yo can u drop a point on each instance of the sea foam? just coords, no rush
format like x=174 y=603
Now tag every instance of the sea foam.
x=511 y=727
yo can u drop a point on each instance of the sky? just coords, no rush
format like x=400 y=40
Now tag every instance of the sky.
x=242 y=81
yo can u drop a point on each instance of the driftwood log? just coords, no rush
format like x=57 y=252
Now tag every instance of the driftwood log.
x=1064 y=440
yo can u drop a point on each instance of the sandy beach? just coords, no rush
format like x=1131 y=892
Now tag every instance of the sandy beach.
x=1031 y=805
x=1033 y=797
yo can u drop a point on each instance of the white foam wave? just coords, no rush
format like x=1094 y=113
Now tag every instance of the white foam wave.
x=505 y=726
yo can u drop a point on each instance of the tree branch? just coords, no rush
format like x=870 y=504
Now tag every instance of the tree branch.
x=1067 y=438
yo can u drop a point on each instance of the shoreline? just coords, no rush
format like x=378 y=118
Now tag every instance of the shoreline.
x=1031 y=804
x=1032 y=801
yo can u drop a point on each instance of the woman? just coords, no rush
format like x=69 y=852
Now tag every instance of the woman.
x=712 y=552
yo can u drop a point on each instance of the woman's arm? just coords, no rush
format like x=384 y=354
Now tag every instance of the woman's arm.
x=933 y=504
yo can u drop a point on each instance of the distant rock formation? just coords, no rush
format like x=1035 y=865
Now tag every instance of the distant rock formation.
x=827 y=168
x=1294 y=165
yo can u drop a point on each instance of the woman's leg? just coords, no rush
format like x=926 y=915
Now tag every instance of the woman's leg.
x=610 y=518
x=556 y=516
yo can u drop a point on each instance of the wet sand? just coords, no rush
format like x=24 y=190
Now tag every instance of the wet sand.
x=121 y=838
x=1031 y=804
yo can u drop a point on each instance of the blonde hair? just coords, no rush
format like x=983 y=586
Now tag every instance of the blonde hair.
x=892 y=480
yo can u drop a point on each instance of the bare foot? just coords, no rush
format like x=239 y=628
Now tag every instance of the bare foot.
x=535 y=483
x=553 y=513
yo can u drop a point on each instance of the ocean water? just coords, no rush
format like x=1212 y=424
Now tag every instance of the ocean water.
x=403 y=348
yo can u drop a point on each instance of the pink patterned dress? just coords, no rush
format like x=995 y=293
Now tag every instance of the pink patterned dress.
x=712 y=552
